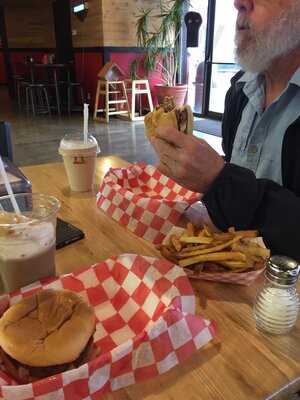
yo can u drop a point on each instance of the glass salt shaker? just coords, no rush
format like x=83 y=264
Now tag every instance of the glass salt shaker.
x=277 y=304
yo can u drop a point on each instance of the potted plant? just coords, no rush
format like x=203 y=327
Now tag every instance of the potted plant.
x=160 y=40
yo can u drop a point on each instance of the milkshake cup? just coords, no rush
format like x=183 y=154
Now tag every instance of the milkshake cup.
x=27 y=240
x=80 y=161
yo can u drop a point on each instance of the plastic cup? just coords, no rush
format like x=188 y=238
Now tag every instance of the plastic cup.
x=79 y=161
x=27 y=240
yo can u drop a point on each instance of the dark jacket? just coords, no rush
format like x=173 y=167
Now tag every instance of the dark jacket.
x=237 y=198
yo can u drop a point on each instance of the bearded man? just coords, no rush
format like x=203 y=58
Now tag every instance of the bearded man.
x=257 y=184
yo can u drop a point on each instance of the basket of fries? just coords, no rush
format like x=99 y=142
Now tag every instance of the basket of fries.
x=232 y=257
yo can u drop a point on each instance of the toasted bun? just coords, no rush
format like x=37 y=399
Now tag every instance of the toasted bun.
x=170 y=119
x=49 y=328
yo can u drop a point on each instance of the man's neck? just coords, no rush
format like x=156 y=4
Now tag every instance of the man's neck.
x=279 y=74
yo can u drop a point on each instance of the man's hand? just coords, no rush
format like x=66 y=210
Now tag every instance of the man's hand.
x=189 y=161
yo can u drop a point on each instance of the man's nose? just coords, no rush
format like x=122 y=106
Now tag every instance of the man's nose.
x=243 y=5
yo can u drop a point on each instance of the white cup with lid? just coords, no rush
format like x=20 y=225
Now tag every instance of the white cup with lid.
x=79 y=157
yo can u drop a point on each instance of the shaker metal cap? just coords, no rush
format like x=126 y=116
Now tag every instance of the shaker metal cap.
x=282 y=270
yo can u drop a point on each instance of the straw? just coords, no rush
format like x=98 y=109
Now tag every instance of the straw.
x=85 y=122
x=8 y=188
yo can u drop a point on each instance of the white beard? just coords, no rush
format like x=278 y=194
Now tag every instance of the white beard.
x=258 y=50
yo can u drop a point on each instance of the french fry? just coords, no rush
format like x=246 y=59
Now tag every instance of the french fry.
x=251 y=249
x=190 y=229
x=176 y=243
x=201 y=233
x=165 y=252
x=247 y=234
x=182 y=256
x=234 y=264
x=196 y=239
x=221 y=256
x=219 y=247
x=192 y=252
x=258 y=251
x=224 y=236
x=207 y=231
x=190 y=249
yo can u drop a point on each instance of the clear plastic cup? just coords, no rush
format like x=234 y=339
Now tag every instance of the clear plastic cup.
x=79 y=161
x=27 y=240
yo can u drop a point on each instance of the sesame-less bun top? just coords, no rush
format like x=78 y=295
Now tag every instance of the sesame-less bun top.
x=49 y=328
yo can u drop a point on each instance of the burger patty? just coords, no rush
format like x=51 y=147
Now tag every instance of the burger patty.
x=26 y=373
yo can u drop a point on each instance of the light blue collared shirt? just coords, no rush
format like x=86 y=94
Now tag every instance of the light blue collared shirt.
x=259 y=137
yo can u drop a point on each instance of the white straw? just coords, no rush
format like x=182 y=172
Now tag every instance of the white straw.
x=85 y=122
x=8 y=188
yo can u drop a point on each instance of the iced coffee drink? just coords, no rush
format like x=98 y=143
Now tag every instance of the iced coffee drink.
x=80 y=161
x=27 y=240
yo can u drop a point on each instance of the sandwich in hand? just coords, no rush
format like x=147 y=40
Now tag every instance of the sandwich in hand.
x=46 y=334
x=169 y=116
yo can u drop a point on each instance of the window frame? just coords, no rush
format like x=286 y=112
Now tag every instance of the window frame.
x=208 y=62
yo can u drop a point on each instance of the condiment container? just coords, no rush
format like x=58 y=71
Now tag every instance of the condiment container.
x=277 y=304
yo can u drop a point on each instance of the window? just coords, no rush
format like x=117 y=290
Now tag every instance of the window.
x=223 y=67
x=196 y=60
x=211 y=65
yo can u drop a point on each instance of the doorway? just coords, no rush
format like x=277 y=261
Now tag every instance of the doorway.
x=211 y=65
x=196 y=61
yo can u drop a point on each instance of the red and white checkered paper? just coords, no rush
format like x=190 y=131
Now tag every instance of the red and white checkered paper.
x=145 y=326
x=145 y=201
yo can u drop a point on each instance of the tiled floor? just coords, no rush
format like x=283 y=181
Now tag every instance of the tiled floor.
x=36 y=140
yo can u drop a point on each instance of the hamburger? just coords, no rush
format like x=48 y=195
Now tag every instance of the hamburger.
x=46 y=334
x=169 y=116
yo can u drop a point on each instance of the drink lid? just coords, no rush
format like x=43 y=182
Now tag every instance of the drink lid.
x=75 y=145
x=282 y=270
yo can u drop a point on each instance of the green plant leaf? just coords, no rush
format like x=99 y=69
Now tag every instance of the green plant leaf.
x=162 y=44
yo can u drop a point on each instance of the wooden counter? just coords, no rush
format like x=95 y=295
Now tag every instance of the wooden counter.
x=241 y=364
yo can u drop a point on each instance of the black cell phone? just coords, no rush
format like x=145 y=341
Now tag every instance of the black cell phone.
x=67 y=233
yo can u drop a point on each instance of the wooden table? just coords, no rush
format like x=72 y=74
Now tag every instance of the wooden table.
x=241 y=364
